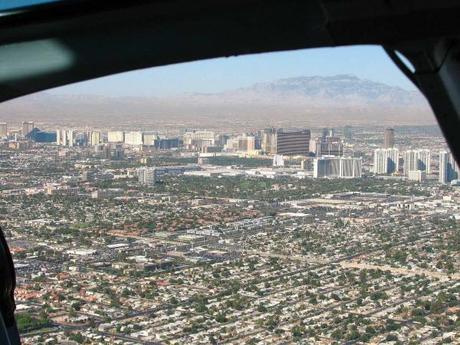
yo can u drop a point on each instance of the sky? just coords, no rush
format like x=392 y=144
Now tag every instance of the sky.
x=12 y=4
x=216 y=75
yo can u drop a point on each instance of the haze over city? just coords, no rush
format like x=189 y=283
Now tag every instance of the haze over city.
x=358 y=85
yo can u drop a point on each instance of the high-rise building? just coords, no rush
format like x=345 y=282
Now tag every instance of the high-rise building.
x=3 y=130
x=146 y=176
x=167 y=143
x=222 y=139
x=347 y=132
x=95 y=138
x=148 y=139
x=417 y=160
x=410 y=161
x=83 y=139
x=286 y=141
x=71 y=138
x=386 y=161
x=293 y=142
x=198 y=139
x=27 y=127
x=350 y=167
x=134 y=138
x=65 y=137
x=117 y=152
x=150 y=176
x=269 y=141
x=448 y=168
x=242 y=143
x=327 y=146
x=231 y=145
x=116 y=136
x=102 y=151
x=59 y=138
x=424 y=160
x=342 y=167
x=389 y=138
x=247 y=143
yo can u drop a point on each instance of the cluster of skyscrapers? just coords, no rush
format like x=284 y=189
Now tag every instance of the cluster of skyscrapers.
x=26 y=128
x=325 y=153
x=416 y=164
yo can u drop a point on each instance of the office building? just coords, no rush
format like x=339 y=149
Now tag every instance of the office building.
x=448 y=168
x=386 y=161
x=389 y=138
x=27 y=127
x=3 y=130
x=342 y=167
x=417 y=160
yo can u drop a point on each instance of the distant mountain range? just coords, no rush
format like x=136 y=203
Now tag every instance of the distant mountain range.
x=313 y=101
x=334 y=91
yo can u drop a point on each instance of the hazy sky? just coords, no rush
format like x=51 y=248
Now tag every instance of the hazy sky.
x=369 y=62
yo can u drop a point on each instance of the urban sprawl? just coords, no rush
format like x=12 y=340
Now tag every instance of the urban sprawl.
x=345 y=235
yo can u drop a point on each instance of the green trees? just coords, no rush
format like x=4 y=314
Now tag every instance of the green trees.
x=27 y=322
x=298 y=331
x=221 y=317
